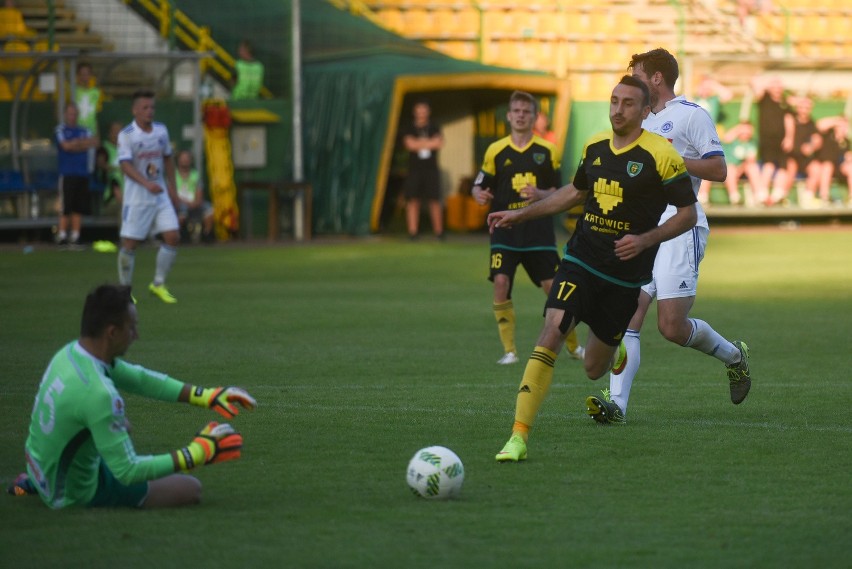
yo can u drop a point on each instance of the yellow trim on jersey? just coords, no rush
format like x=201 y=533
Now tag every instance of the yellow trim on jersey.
x=668 y=162
x=496 y=147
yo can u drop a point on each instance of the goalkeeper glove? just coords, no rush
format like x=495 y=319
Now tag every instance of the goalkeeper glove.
x=222 y=399
x=214 y=443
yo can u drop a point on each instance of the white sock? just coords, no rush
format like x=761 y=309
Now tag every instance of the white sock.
x=75 y=236
x=165 y=259
x=706 y=339
x=126 y=261
x=619 y=385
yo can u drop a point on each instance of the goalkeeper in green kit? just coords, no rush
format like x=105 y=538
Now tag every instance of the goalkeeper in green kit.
x=79 y=451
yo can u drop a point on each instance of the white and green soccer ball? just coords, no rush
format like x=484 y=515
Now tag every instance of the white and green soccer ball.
x=436 y=473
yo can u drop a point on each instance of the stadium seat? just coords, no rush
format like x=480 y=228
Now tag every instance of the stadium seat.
x=552 y=24
x=418 y=23
x=15 y=64
x=468 y=23
x=392 y=18
x=12 y=181
x=12 y=23
x=458 y=49
x=5 y=89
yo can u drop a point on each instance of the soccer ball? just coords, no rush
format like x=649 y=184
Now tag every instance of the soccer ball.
x=436 y=473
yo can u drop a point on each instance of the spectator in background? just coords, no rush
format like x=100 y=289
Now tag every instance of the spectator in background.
x=73 y=143
x=249 y=74
x=741 y=157
x=846 y=173
x=832 y=154
x=192 y=207
x=806 y=141
x=774 y=138
x=711 y=95
x=423 y=139
x=542 y=128
x=89 y=99
x=114 y=178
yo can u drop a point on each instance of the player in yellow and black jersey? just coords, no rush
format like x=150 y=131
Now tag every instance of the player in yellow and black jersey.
x=625 y=180
x=517 y=170
x=624 y=198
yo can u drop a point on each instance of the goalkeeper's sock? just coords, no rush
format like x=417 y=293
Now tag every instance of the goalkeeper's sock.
x=126 y=261
x=504 y=313
x=534 y=386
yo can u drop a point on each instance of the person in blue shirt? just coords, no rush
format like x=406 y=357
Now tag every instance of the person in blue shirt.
x=73 y=143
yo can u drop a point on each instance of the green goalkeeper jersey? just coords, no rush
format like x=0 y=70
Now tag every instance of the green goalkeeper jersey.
x=78 y=420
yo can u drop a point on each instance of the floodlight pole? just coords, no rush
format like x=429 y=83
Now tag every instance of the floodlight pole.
x=296 y=66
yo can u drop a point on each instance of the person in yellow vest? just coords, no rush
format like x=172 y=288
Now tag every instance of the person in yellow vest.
x=89 y=99
x=249 y=74
x=192 y=206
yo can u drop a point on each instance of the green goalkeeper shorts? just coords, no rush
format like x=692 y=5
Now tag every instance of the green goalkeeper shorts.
x=113 y=494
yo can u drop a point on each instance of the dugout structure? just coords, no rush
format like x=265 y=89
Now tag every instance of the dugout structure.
x=354 y=81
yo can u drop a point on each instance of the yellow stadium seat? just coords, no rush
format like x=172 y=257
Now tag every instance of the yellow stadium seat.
x=12 y=23
x=28 y=88
x=498 y=24
x=5 y=90
x=625 y=23
x=418 y=23
x=468 y=22
x=392 y=19
x=15 y=63
x=443 y=22
x=552 y=24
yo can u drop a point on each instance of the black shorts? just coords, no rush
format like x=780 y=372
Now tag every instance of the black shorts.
x=605 y=306
x=540 y=264
x=75 y=195
x=770 y=152
x=423 y=185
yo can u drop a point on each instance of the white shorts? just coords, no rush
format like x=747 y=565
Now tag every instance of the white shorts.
x=676 y=265
x=140 y=221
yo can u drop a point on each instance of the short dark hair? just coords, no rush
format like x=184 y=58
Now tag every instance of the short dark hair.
x=143 y=94
x=106 y=305
x=525 y=97
x=657 y=60
x=83 y=65
x=631 y=81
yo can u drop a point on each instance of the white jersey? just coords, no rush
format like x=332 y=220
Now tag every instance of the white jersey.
x=692 y=132
x=146 y=151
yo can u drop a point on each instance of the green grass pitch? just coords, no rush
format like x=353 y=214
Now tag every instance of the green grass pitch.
x=360 y=352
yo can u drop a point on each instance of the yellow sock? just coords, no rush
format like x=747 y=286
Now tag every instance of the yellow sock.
x=505 y=315
x=534 y=386
x=571 y=341
x=521 y=429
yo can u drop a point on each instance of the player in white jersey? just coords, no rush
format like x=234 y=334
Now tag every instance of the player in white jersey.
x=150 y=194
x=692 y=132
